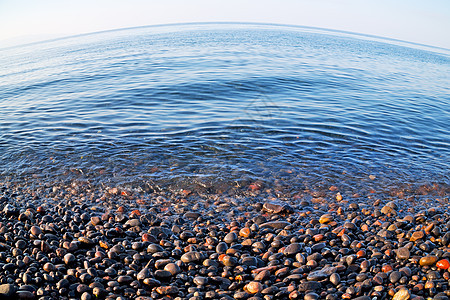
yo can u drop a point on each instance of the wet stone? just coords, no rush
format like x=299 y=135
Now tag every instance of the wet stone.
x=192 y=256
x=309 y=286
x=25 y=295
x=293 y=249
x=192 y=215
x=69 y=258
x=86 y=241
x=200 y=280
x=403 y=253
x=311 y=296
x=249 y=261
x=229 y=261
x=144 y=273
x=316 y=276
x=7 y=290
x=389 y=209
x=395 y=276
x=154 y=248
x=417 y=235
x=428 y=260
x=254 y=287
x=124 y=279
x=35 y=230
x=276 y=207
x=335 y=278
x=172 y=268
x=326 y=218
x=230 y=237
x=166 y=290
x=402 y=294
x=133 y=223
x=275 y=224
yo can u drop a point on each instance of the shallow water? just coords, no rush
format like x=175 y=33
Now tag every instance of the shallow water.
x=217 y=106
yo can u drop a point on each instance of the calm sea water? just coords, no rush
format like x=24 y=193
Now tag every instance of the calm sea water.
x=220 y=106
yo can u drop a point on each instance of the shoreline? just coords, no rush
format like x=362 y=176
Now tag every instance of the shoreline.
x=79 y=242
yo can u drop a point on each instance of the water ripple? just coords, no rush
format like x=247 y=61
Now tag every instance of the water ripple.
x=226 y=105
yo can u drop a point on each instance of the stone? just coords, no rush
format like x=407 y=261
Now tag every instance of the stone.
x=417 y=235
x=389 y=208
x=293 y=249
x=443 y=264
x=10 y=210
x=124 y=279
x=254 y=287
x=229 y=261
x=403 y=253
x=402 y=294
x=326 y=218
x=395 y=276
x=167 y=290
x=335 y=278
x=275 y=224
x=274 y=207
x=321 y=274
x=69 y=258
x=144 y=273
x=311 y=296
x=230 y=237
x=133 y=223
x=7 y=290
x=309 y=286
x=173 y=268
x=25 y=295
x=428 y=260
x=200 y=280
x=96 y=220
x=86 y=241
x=192 y=256
x=35 y=230
x=192 y=215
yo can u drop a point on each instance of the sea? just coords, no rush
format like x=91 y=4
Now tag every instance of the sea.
x=227 y=107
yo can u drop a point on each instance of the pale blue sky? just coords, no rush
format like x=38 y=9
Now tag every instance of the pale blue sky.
x=421 y=21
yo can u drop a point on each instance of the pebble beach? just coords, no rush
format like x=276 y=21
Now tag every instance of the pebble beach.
x=79 y=241
x=224 y=161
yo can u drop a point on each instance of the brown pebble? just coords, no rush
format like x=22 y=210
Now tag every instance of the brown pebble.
x=402 y=294
x=166 y=290
x=403 y=253
x=254 y=287
x=326 y=218
x=49 y=267
x=428 y=260
x=35 y=230
x=417 y=235
x=245 y=232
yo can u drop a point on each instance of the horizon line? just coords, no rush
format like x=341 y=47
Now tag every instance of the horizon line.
x=229 y=23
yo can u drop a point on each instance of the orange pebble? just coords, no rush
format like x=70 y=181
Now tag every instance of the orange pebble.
x=361 y=253
x=103 y=244
x=386 y=268
x=364 y=227
x=146 y=237
x=136 y=212
x=221 y=256
x=443 y=264
x=245 y=232
x=318 y=237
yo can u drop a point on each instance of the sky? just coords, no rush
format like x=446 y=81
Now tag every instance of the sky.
x=419 y=21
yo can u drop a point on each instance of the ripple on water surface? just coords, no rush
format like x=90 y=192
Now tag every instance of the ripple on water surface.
x=209 y=105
